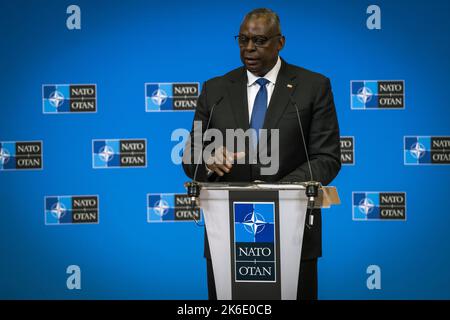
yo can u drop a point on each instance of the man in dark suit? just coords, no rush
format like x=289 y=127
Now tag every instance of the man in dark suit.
x=260 y=95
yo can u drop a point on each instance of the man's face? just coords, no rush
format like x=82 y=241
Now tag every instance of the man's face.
x=260 y=59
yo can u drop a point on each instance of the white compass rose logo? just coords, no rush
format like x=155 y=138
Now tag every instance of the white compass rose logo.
x=58 y=210
x=56 y=99
x=366 y=206
x=4 y=156
x=364 y=95
x=254 y=223
x=159 y=97
x=417 y=150
x=106 y=153
x=161 y=207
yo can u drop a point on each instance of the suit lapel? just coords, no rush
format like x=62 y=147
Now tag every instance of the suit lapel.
x=239 y=102
x=285 y=86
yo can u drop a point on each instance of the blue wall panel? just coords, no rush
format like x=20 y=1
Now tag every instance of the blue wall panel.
x=124 y=44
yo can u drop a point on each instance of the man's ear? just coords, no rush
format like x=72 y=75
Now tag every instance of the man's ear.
x=281 y=43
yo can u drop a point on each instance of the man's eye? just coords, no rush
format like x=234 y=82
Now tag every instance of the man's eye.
x=243 y=38
x=260 y=40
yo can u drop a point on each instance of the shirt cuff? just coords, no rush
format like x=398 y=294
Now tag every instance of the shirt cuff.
x=209 y=172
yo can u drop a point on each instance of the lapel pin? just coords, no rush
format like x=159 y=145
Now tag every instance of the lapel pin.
x=289 y=86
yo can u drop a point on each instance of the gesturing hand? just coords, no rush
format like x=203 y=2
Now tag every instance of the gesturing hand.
x=222 y=161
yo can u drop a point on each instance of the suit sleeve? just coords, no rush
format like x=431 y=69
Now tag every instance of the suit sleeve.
x=323 y=141
x=193 y=151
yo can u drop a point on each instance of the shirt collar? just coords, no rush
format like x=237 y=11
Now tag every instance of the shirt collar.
x=271 y=75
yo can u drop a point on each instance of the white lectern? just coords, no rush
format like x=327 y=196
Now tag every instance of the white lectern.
x=255 y=234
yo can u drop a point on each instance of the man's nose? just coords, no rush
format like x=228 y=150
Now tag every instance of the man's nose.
x=250 y=45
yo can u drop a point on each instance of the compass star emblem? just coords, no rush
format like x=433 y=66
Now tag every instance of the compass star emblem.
x=106 y=153
x=4 y=156
x=364 y=95
x=161 y=207
x=417 y=150
x=58 y=210
x=366 y=206
x=254 y=223
x=159 y=97
x=56 y=99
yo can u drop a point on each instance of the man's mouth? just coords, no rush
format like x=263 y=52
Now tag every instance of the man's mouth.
x=251 y=61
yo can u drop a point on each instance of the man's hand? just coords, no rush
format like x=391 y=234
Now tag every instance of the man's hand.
x=223 y=160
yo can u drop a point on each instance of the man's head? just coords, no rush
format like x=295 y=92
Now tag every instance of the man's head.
x=260 y=40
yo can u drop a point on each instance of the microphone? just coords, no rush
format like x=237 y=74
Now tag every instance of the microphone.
x=193 y=187
x=312 y=187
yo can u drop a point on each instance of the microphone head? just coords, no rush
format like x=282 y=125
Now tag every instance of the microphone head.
x=219 y=100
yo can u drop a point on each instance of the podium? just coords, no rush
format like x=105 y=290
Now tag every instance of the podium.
x=255 y=234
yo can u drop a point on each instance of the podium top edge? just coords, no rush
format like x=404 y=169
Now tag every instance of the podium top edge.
x=328 y=195
x=252 y=186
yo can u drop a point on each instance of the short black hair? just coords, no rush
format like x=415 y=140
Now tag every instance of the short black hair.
x=266 y=13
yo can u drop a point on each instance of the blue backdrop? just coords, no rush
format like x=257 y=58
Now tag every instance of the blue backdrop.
x=124 y=44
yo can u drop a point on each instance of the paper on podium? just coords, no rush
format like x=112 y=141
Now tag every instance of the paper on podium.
x=330 y=197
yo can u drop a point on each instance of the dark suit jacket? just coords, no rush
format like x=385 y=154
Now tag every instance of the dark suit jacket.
x=312 y=93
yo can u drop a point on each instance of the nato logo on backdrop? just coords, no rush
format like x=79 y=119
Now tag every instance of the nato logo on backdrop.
x=69 y=98
x=61 y=210
x=119 y=153
x=377 y=94
x=171 y=207
x=379 y=206
x=347 y=150
x=426 y=150
x=171 y=96
x=20 y=155
x=254 y=241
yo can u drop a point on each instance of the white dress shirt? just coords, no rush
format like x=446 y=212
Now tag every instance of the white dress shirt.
x=253 y=87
